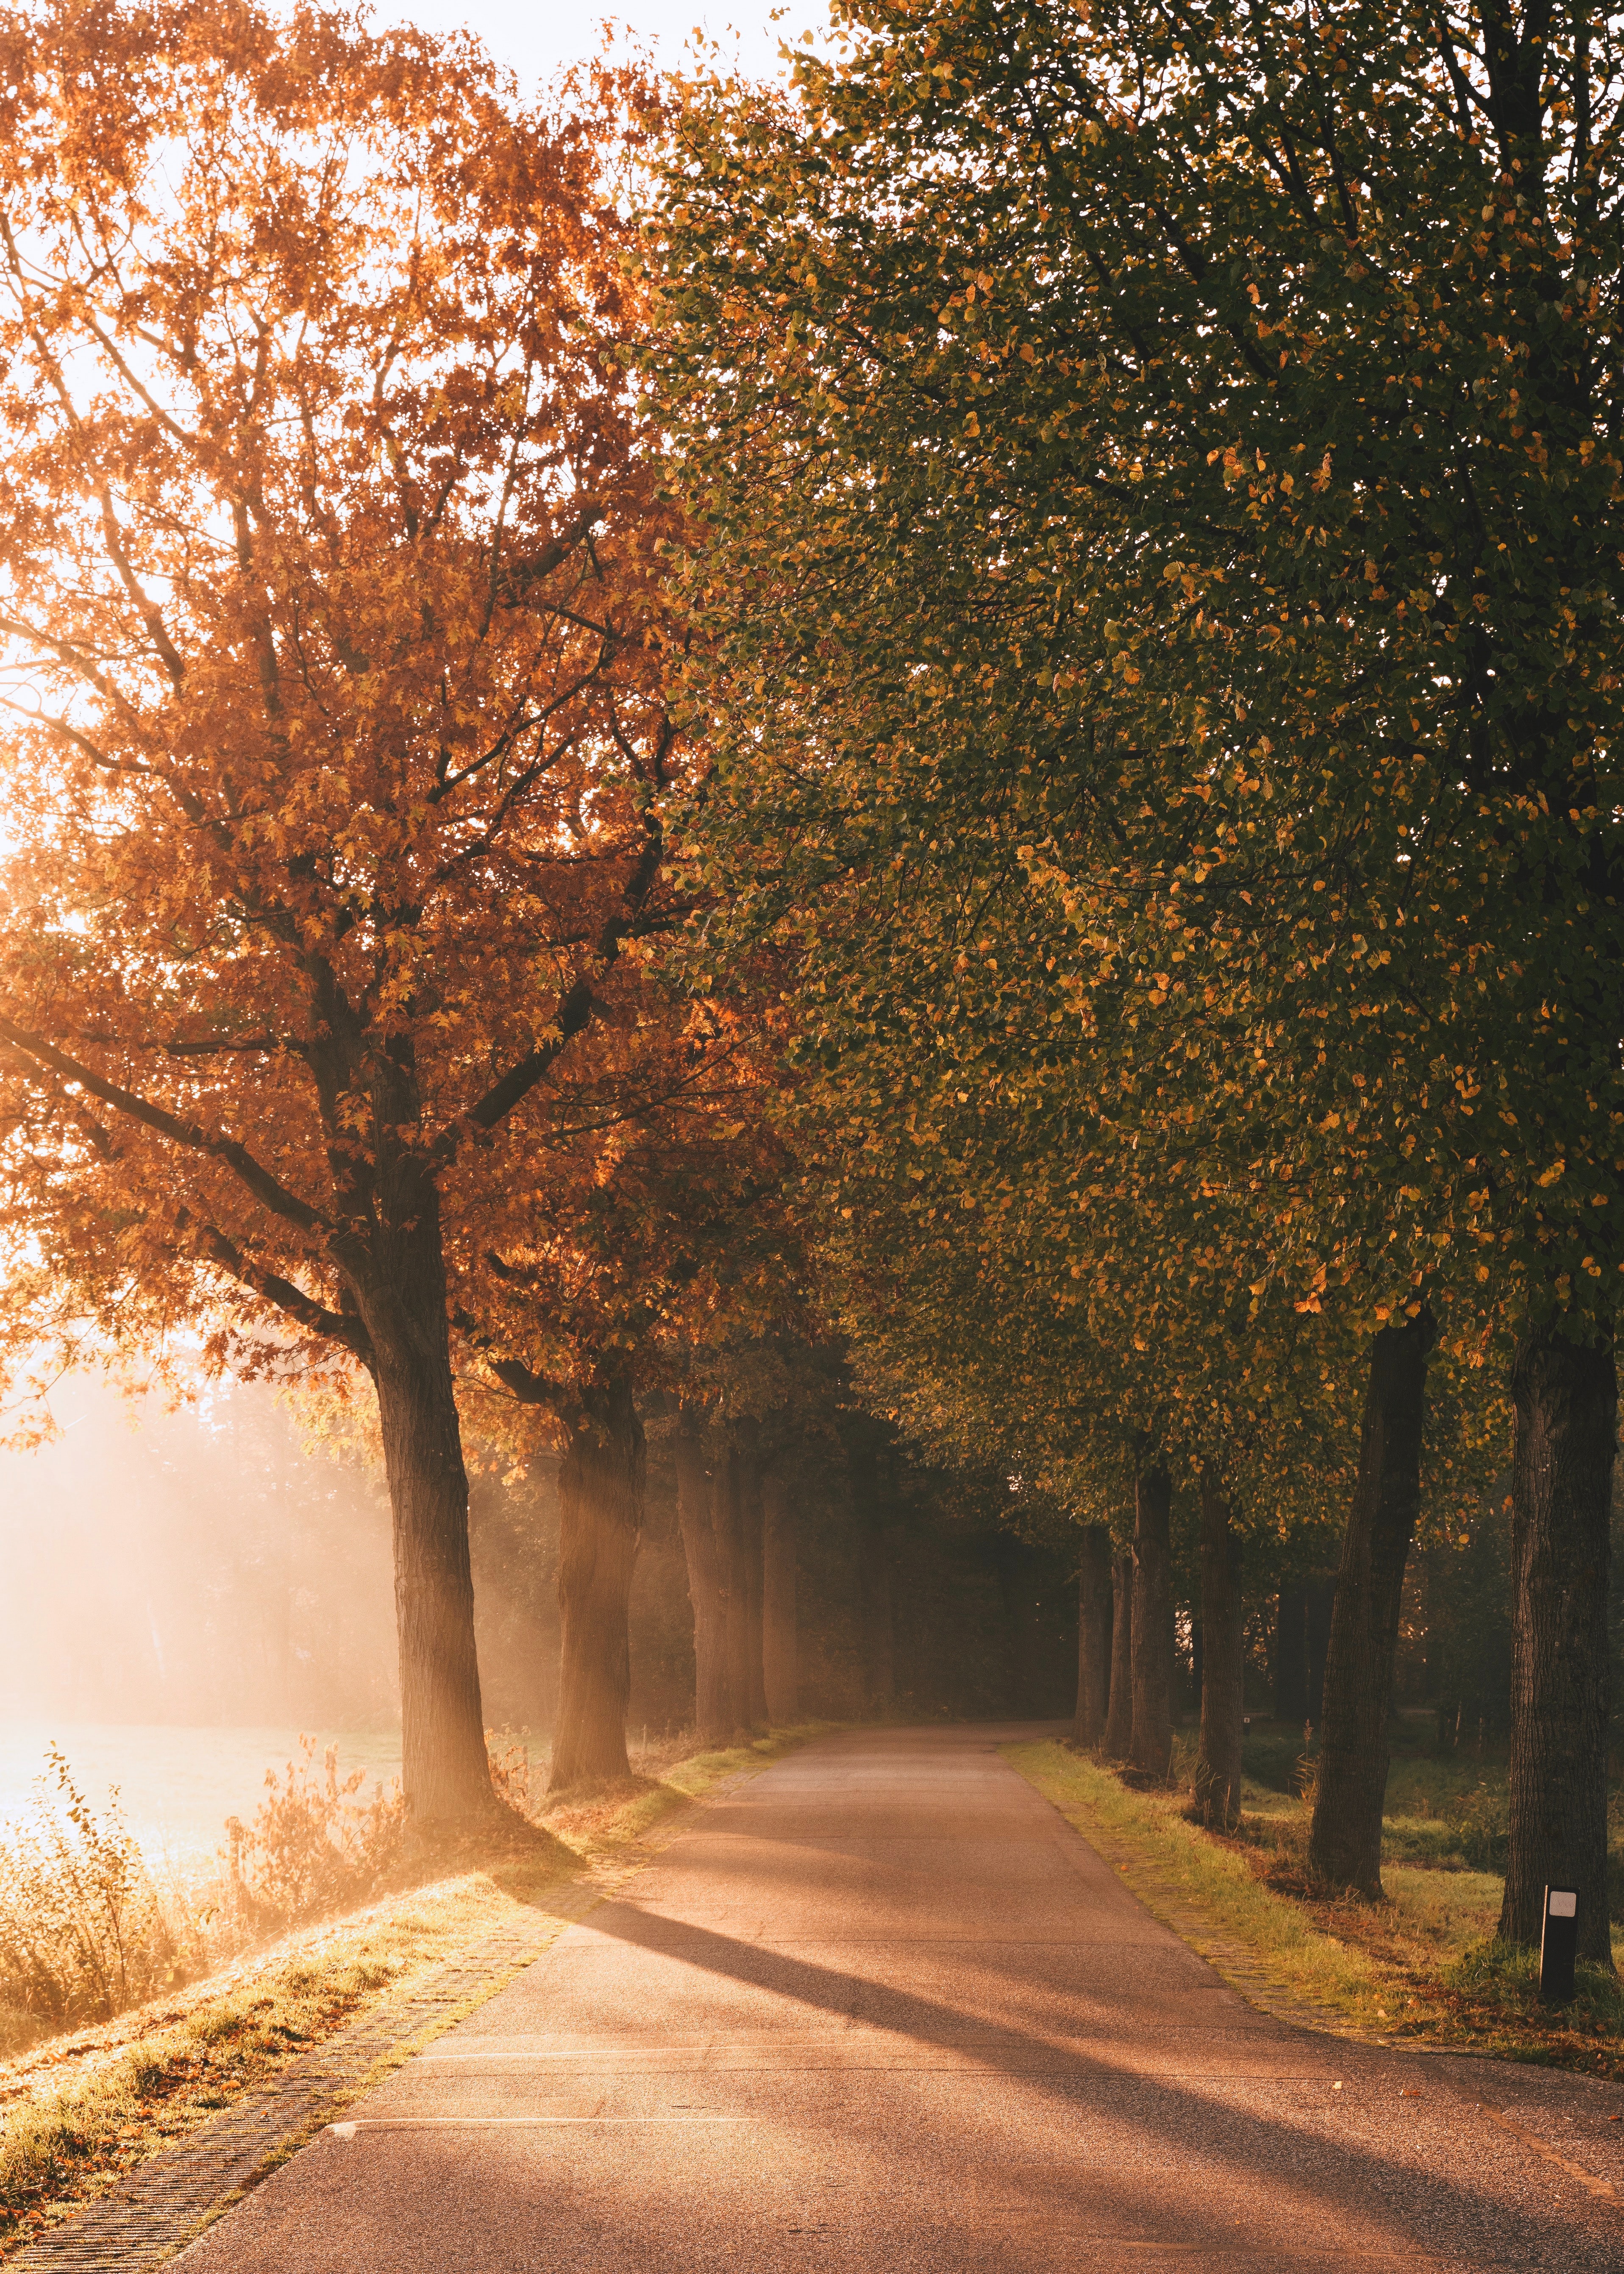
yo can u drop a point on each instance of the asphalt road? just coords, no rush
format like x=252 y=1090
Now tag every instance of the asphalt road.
x=881 y=2009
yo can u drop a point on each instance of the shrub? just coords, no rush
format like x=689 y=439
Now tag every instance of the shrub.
x=314 y=1845
x=1480 y=1825
x=82 y=1934
x=509 y=1755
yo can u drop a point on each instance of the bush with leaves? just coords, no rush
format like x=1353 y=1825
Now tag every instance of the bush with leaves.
x=315 y=1844
x=82 y=1934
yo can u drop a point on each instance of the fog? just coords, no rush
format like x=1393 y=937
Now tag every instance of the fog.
x=183 y=1591
x=192 y=1566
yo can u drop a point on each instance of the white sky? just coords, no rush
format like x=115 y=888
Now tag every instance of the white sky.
x=533 y=37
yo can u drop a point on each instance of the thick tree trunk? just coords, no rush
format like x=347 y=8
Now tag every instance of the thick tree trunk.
x=600 y=1523
x=1119 y=1702
x=1290 y=1668
x=1151 y=1749
x=446 y=1775
x=1344 y=1847
x=751 y=1520
x=1565 y=1398
x=730 y=1547
x=696 y=1461
x=1224 y=1658
x=1093 y=1635
x=778 y=1672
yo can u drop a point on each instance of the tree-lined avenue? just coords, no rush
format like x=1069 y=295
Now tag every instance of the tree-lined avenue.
x=880 y=2007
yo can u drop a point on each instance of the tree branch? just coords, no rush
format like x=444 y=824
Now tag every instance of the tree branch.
x=265 y=1188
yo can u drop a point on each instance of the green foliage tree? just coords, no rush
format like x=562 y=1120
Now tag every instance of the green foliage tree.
x=1171 y=456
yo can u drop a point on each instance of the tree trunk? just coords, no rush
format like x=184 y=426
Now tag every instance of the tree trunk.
x=1093 y=1635
x=1119 y=1706
x=1565 y=1399
x=696 y=1461
x=1344 y=1849
x=1321 y=1603
x=600 y=1523
x=445 y=1774
x=778 y=1674
x=1151 y=1749
x=1223 y=1660
x=729 y=1505
x=750 y=1520
x=1290 y=1668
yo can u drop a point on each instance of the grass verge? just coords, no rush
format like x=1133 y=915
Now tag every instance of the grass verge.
x=81 y=2112
x=1422 y=1969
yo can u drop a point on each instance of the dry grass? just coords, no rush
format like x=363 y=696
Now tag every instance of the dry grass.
x=78 y=2113
x=1423 y=1967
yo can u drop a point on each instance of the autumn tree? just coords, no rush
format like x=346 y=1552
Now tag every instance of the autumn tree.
x=327 y=530
x=662 y=1230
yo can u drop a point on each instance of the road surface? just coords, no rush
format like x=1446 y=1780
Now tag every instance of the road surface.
x=880 y=2008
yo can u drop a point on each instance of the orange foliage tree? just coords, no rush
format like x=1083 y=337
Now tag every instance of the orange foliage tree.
x=328 y=569
x=666 y=1228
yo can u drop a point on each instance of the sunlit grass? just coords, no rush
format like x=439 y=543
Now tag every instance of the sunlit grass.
x=1421 y=1967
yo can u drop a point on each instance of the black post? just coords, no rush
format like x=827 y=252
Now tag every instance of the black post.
x=1559 y=1945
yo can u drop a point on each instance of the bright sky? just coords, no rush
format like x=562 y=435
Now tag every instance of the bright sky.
x=533 y=37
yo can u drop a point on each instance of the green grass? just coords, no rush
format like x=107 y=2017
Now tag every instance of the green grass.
x=1421 y=1967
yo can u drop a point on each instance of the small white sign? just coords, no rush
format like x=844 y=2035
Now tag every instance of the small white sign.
x=1564 y=1903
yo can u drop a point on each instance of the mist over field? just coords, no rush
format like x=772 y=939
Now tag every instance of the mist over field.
x=192 y=1566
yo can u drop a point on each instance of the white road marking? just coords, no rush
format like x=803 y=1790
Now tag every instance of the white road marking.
x=417 y=2123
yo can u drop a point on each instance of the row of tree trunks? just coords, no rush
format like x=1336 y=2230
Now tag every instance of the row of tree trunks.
x=1564 y=1403
x=713 y=1718
x=739 y=1542
x=600 y=1489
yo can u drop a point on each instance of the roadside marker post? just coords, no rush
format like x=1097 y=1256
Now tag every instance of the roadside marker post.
x=1559 y=1945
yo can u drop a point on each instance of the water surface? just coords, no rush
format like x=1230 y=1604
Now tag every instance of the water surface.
x=177 y=1784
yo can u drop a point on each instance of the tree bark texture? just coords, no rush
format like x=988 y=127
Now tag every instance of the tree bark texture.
x=1093 y=1635
x=1217 y=1795
x=696 y=1464
x=1119 y=1698
x=1565 y=1399
x=1344 y=1849
x=1151 y=1748
x=779 y=1670
x=446 y=1773
x=600 y=1482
